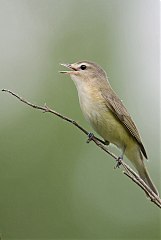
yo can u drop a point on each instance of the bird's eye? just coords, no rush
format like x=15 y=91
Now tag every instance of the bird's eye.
x=83 y=67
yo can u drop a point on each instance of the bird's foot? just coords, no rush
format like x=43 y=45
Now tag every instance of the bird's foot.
x=119 y=162
x=90 y=137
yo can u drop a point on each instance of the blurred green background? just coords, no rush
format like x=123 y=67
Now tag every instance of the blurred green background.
x=52 y=184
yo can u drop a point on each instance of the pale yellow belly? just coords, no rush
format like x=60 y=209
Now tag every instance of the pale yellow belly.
x=103 y=120
x=107 y=125
x=110 y=128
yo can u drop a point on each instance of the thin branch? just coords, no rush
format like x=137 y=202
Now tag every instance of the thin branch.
x=127 y=170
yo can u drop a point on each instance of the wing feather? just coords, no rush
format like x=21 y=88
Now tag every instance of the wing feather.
x=119 y=110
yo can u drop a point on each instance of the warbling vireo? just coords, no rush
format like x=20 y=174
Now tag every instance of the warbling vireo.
x=107 y=115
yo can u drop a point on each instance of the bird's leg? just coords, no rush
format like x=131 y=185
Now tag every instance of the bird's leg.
x=91 y=135
x=120 y=158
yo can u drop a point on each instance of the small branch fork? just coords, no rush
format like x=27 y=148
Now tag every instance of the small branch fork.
x=127 y=170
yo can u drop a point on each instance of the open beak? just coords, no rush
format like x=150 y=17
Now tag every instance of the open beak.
x=67 y=65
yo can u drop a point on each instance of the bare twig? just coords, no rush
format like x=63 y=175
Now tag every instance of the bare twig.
x=127 y=170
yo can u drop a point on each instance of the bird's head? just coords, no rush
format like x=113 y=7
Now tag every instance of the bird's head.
x=84 y=71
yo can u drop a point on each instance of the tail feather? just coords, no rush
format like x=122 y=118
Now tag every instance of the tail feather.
x=143 y=173
x=135 y=156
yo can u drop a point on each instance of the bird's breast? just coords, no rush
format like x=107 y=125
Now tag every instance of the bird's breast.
x=104 y=122
x=91 y=103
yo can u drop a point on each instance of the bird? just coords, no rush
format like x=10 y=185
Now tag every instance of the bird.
x=107 y=115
